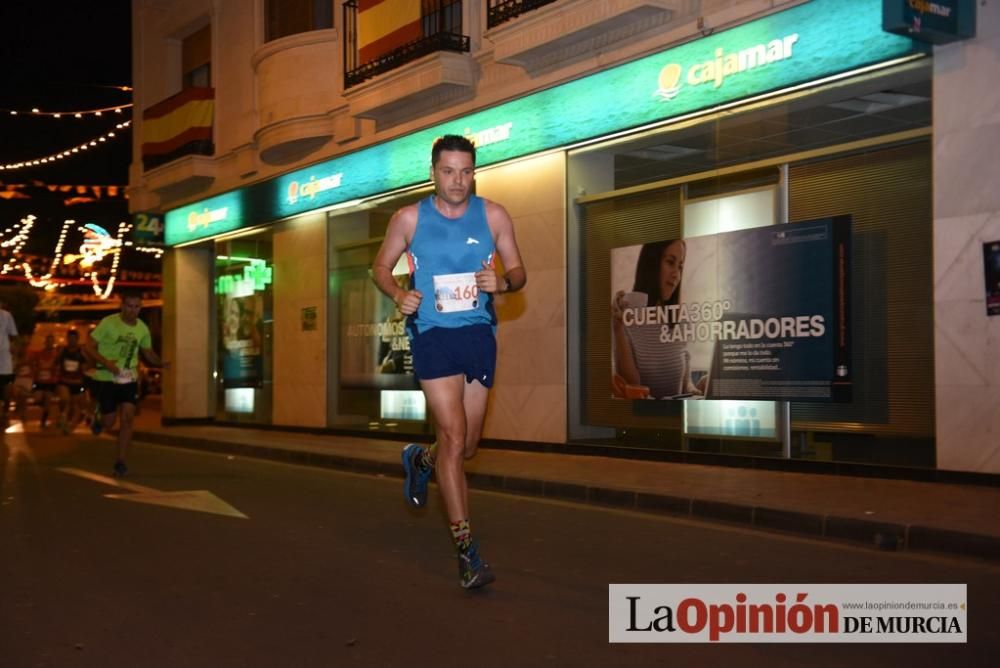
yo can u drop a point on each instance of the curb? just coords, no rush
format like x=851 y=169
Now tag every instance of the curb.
x=887 y=536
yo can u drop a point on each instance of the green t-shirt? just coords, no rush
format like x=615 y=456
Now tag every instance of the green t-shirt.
x=120 y=343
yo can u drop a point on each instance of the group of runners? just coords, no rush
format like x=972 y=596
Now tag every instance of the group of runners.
x=58 y=379
x=103 y=373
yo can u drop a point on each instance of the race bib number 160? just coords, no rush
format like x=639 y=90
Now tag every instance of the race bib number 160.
x=455 y=292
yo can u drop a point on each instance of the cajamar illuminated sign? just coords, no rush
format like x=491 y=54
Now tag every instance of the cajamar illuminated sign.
x=723 y=65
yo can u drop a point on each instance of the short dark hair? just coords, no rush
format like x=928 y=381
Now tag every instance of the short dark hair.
x=129 y=293
x=452 y=143
x=72 y=332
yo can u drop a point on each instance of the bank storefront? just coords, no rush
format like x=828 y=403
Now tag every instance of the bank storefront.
x=802 y=340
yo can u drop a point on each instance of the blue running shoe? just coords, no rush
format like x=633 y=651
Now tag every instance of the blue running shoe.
x=415 y=487
x=473 y=571
x=120 y=469
x=96 y=423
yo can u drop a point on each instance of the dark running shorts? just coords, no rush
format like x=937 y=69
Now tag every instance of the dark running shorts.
x=5 y=380
x=442 y=351
x=110 y=395
x=74 y=388
x=45 y=387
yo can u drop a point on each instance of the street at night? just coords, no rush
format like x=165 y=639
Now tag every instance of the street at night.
x=330 y=568
x=678 y=319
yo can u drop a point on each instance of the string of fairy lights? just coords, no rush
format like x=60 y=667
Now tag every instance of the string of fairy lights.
x=35 y=111
x=113 y=110
x=75 y=113
x=66 y=153
x=98 y=244
x=16 y=242
x=45 y=281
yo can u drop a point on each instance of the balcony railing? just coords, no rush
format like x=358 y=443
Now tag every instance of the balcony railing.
x=440 y=29
x=501 y=11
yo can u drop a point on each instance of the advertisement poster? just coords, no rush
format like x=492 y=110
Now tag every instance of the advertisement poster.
x=242 y=325
x=991 y=267
x=374 y=348
x=756 y=314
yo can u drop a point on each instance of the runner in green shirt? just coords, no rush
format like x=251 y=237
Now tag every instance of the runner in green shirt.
x=115 y=344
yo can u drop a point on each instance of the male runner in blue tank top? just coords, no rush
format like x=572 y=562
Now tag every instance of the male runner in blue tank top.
x=451 y=239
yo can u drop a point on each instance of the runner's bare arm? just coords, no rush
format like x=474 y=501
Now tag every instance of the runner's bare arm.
x=396 y=241
x=506 y=244
x=150 y=356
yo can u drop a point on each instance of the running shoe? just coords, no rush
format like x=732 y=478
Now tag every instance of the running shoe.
x=120 y=469
x=472 y=570
x=96 y=424
x=415 y=487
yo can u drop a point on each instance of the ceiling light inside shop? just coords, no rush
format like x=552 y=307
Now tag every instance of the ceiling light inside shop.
x=878 y=102
x=662 y=153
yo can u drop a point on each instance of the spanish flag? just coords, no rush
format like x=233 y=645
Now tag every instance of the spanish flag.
x=385 y=25
x=178 y=126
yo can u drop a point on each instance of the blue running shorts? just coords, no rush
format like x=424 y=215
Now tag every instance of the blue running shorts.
x=444 y=351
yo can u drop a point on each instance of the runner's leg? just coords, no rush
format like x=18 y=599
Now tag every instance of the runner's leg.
x=75 y=408
x=474 y=399
x=64 y=400
x=445 y=399
x=127 y=411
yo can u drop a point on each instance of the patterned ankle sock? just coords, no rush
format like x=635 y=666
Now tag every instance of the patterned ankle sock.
x=427 y=455
x=462 y=534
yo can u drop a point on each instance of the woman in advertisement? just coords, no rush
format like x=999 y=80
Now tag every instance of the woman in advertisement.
x=645 y=364
x=242 y=361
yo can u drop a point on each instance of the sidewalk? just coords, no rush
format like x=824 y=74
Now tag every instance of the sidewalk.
x=956 y=519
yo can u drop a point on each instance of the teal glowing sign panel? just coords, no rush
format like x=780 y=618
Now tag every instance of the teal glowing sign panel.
x=207 y=218
x=801 y=44
x=934 y=21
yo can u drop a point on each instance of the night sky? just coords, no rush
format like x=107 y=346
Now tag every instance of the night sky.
x=60 y=56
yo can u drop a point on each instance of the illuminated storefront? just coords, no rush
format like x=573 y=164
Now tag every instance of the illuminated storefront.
x=773 y=122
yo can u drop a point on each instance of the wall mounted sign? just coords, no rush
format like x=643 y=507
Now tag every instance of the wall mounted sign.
x=780 y=50
x=208 y=218
x=991 y=269
x=309 y=319
x=933 y=21
x=147 y=228
x=695 y=319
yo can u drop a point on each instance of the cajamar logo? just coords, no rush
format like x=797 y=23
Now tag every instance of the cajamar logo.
x=938 y=9
x=205 y=218
x=313 y=187
x=672 y=77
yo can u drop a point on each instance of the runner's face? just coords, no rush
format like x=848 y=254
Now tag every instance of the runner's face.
x=130 y=309
x=453 y=176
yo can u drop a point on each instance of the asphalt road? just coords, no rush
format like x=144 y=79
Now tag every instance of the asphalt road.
x=331 y=569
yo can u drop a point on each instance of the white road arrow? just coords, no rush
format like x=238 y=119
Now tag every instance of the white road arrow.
x=199 y=500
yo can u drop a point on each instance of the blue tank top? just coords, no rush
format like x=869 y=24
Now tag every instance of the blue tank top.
x=442 y=254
